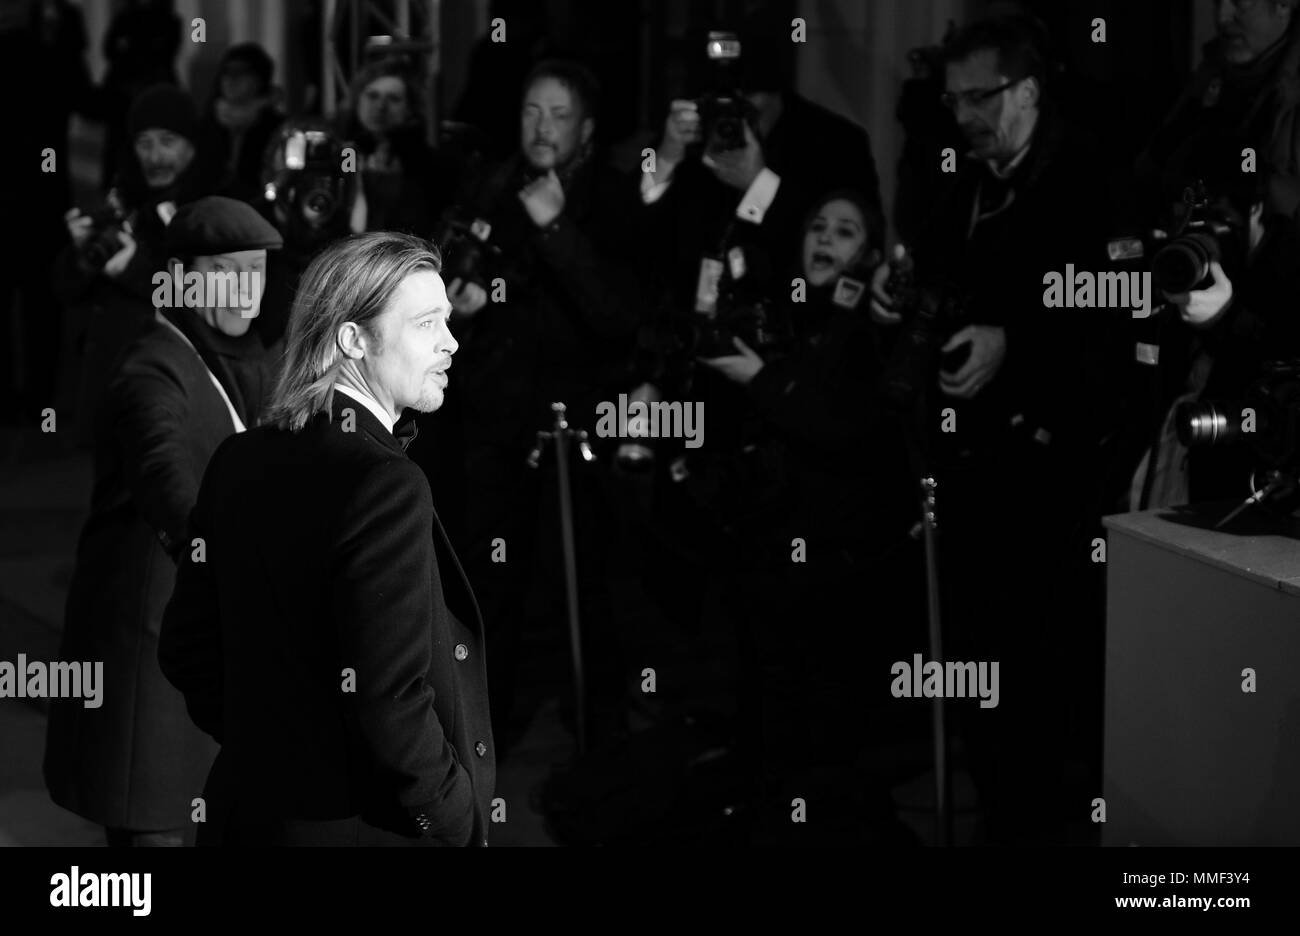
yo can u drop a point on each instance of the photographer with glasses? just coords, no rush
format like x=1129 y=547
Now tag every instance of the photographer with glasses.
x=1002 y=396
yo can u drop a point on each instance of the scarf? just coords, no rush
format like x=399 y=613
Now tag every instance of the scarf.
x=241 y=365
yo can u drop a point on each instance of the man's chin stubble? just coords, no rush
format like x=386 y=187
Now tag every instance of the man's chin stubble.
x=427 y=403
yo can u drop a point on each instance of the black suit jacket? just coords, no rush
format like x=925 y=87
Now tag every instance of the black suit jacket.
x=330 y=641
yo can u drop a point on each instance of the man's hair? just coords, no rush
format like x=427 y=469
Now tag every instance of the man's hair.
x=352 y=280
x=389 y=67
x=580 y=81
x=1020 y=42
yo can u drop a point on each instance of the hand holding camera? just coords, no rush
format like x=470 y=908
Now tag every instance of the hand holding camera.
x=681 y=129
x=80 y=227
x=1202 y=307
x=740 y=367
x=102 y=240
x=988 y=349
x=884 y=308
x=119 y=261
x=466 y=297
x=738 y=168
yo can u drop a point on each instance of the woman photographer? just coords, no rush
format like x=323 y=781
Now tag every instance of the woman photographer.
x=824 y=552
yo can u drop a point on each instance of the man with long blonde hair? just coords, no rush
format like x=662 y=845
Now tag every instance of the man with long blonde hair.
x=322 y=629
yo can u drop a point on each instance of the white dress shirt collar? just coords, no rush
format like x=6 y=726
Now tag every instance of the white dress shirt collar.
x=369 y=403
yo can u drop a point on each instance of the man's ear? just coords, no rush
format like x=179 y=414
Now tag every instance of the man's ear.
x=352 y=341
x=588 y=128
x=1030 y=92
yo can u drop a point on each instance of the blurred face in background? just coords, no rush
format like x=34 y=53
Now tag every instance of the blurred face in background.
x=383 y=105
x=553 y=127
x=163 y=156
x=1248 y=27
x=835 y=239
x=996 y=124
x=239 y=83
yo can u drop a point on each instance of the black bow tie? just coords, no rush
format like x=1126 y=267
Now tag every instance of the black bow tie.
x=405 y=433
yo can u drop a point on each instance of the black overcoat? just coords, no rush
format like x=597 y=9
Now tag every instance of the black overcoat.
x=136 y=762
x=331 y=644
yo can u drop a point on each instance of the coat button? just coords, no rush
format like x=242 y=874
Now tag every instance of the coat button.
x=480 y=749
x=462 y=652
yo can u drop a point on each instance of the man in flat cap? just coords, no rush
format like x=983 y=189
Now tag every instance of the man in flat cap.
x=327 y=637
x=194 y=376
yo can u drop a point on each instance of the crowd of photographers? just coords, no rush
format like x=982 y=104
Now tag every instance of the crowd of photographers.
x=747 y=268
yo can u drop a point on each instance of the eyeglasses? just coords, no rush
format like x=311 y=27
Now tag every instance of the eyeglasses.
x=975 y=97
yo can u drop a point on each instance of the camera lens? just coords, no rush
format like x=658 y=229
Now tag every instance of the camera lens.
x=318 y=206
x=1184 y=262
x=1206 y=423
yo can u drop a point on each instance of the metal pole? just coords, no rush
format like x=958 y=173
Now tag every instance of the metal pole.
x=327 y=58
x=942 y=785
x=570 y=570
x=433 y=90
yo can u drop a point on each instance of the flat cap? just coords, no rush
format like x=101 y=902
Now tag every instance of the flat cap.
x=216 y=225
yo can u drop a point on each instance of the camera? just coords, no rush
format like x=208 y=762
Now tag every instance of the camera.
x=756 y=322
x=724 y=110
x=309 y=193
x=929 y=315
x=1267 y=417
x=1204 y=230
x=466 y=253
x=106 y=225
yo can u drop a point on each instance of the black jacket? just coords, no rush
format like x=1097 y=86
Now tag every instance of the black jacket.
x=1054 y=376
x=840 y=477
x=571 y=309
x=137 y=762
x=330 y=642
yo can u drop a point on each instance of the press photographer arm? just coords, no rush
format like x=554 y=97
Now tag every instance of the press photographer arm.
x=74 y=276
x=681 y=129
x=817 y=398
x=602 y=287
x=1202 y=308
